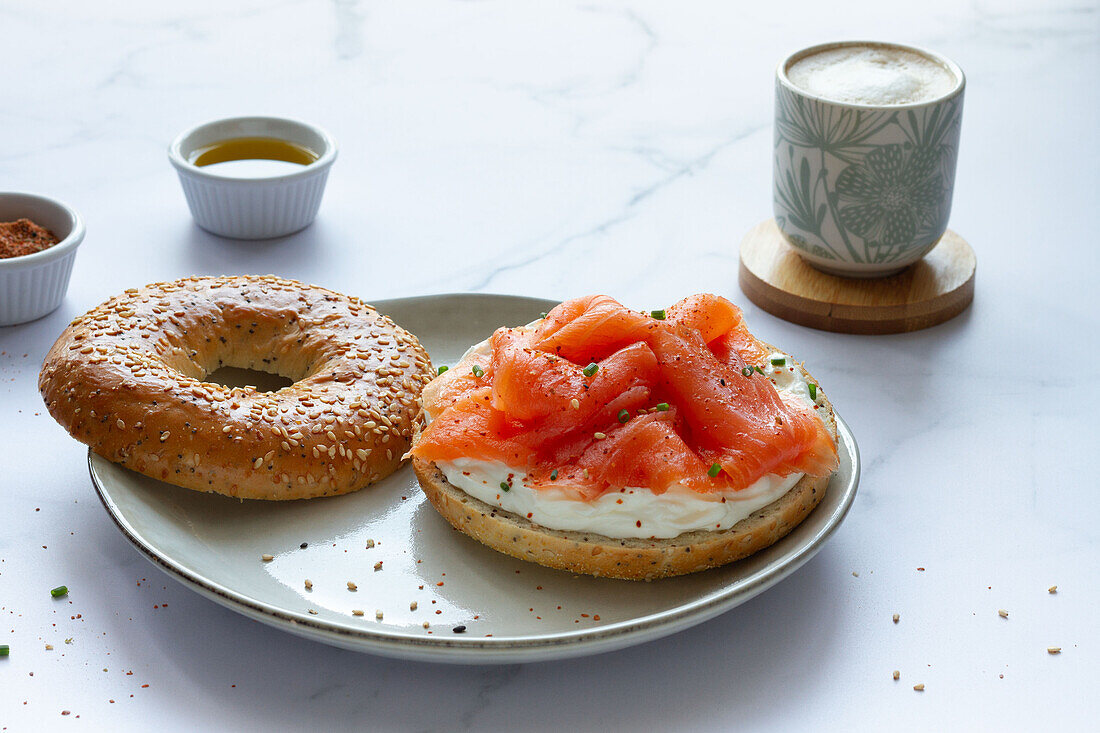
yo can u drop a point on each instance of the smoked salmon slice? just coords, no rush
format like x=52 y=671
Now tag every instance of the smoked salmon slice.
x=596 y=397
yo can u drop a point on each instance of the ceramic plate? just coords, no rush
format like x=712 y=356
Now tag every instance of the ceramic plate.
x=512 y=611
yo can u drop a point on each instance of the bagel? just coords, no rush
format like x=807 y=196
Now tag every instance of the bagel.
x=590 y=553
x=599 y=525
x=127 y=379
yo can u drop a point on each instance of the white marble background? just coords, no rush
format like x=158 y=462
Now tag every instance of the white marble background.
x=555 y=149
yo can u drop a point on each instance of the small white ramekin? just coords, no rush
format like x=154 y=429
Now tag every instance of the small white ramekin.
x=33 y=285
x=253 y=208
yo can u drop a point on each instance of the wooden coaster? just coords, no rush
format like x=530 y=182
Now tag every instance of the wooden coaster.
x=931 y=291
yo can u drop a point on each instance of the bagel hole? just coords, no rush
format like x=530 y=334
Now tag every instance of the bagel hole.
x=240 y=377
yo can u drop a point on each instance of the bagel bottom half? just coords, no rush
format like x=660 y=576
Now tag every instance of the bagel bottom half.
x=628 y=559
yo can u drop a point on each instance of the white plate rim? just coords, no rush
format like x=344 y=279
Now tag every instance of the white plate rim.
x=510 y=649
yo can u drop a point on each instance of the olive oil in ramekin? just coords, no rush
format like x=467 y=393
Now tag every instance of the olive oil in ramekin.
x=252 y=157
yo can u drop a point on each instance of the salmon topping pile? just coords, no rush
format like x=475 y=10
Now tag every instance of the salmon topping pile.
x=596 y=397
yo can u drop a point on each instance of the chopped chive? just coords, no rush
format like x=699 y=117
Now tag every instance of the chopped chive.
x=544 y=314
x=554 y=475
x=442 y=369
x=747 y=371
x=4 y=650
x=714 y=470
x=504 y=486
x=779 y=362
x=623 y=415
x=758 y=369
x=591 y=369
x=661 y=407
x=659 y=315
x=59 y=591
x=478 y=371
x=813 y=391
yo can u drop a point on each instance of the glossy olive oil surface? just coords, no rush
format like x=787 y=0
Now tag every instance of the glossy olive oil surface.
x=253 y=157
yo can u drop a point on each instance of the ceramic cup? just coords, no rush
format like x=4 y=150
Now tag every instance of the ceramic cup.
x=863 y=190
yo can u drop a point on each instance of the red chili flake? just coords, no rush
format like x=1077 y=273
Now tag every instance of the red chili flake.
x=440 y=583
x=584 y=615
x=920 y=569
x=596 y=617
x=144 y=686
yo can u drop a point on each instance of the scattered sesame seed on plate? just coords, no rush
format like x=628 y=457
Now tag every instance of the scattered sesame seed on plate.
x=378 y=565
x=1002 y=613
x=1052 y=589
x=897 y=675
x=356 y=612
x=919 y=687
x=412 y=606
x=378 y=614
x=1054 y=650
x=897 y=617
x=267 y=558
x=352 y=586
x=309 y=584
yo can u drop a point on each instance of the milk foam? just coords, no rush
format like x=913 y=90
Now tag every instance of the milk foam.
x=879 y=76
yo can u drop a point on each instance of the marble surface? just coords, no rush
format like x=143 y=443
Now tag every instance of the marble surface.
x=554 y=150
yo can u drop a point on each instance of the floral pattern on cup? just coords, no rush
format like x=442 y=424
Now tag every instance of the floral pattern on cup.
x=863 y=189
